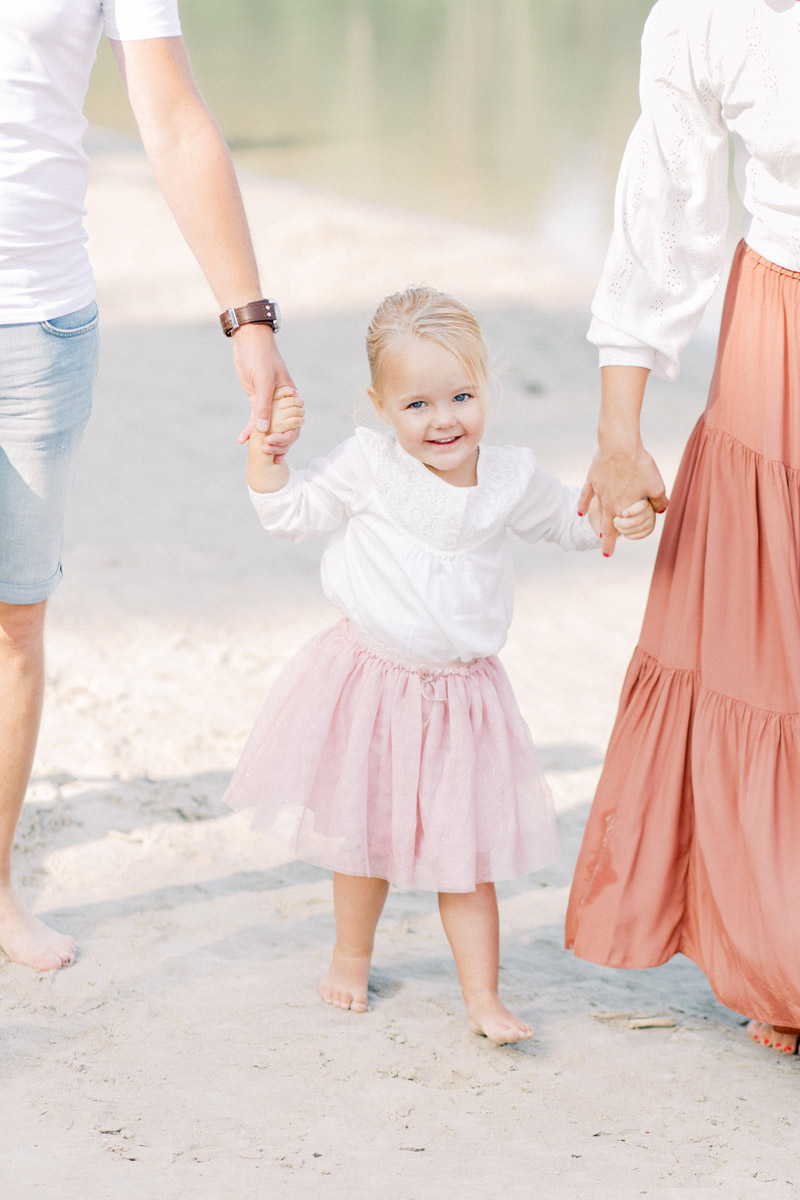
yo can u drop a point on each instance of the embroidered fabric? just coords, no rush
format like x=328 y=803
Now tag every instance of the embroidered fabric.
x=417 y=564
x=710 y=69
x=446 y=517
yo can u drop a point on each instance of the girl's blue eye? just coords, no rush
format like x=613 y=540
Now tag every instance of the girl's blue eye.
x=416 y=404
x=462 y=396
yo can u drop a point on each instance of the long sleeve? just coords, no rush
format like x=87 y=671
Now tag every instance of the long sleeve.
x=548 y=510
x=671 y=208
x=315 y=500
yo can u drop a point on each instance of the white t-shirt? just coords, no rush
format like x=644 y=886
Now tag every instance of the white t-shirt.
x=420 y=565
x=47 y=50
x=710 y=69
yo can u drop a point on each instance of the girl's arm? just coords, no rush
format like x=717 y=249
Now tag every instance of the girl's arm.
x=548 y=509
x=315 y=500
x=267 y=472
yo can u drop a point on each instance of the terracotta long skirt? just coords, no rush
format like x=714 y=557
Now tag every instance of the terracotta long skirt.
x=693 y=842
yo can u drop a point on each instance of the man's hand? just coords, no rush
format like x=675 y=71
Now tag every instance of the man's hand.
x=262 y=374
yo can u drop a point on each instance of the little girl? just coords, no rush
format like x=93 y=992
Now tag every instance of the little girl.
x=391 y=748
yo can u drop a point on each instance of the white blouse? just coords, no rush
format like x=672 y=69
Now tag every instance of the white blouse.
x=420 y=565
x=710 y=68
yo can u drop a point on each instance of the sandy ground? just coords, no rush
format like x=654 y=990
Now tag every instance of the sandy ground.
x=186 y=1053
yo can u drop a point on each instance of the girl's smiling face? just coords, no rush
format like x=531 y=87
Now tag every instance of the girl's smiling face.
x=435 y=408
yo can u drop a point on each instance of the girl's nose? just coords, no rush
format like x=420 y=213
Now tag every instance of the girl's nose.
x=442 y=417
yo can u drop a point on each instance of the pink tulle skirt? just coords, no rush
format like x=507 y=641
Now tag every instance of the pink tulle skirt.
x=370 y=763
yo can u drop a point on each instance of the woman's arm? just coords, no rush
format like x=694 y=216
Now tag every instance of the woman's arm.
x=194 y=171
x=671 y=205
x=622 y=470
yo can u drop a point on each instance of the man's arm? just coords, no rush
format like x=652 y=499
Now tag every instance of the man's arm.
x=194 y=171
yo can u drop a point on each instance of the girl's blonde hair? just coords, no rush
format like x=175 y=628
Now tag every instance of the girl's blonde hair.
x=425 y=313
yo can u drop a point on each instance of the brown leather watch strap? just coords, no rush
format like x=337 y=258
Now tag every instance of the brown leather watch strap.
x=259 y=312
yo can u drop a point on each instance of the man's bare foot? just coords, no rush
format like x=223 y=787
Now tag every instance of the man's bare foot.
x=786 y=1043
x=490 y=1017
x=344 y=984
x=28 y=940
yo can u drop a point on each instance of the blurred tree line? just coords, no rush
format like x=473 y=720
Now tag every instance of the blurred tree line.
x=464 y=101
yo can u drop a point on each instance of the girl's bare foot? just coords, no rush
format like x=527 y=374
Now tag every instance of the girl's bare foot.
x=344 y=984
x=28 y=940
x=490 y=1017
x=786 y=1043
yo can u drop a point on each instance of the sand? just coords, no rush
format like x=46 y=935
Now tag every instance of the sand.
x=186 y=1053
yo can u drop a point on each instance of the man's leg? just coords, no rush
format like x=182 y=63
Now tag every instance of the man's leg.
x=23 y=936
x=47 y=370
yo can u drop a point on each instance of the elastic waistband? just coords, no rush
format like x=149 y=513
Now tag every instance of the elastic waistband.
x=425 y=667
x=766 y=263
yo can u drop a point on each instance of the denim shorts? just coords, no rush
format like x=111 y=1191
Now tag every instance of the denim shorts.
x=47 y=371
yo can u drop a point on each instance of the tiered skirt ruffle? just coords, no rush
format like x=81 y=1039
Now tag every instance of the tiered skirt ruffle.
x=693 y=838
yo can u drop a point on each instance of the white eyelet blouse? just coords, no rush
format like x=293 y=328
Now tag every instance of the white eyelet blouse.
x=710 y=69
x=420 y=565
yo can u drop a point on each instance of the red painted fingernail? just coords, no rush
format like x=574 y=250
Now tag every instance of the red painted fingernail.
x=580 y=514
x=606 y=555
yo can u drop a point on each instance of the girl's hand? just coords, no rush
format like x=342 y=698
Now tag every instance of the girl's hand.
x=636 y=521
x=288 y=415
x=266 y=470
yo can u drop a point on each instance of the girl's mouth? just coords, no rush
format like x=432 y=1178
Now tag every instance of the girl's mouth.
x=444 y=441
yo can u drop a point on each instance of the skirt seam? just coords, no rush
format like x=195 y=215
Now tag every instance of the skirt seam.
x=717 y=430
x=756 y=708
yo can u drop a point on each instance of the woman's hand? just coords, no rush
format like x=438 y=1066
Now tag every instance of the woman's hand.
x=622 y=471
x=617 y=480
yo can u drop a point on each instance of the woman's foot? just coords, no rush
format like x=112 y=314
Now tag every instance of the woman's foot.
x=344 y=984
x=785 y=1043
x=27 y=940
x=490 y=1017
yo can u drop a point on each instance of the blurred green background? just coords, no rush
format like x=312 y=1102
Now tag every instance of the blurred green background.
x=507 y=112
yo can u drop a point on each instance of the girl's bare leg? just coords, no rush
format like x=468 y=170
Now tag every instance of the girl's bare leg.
x=357 y=904
x=472 y=925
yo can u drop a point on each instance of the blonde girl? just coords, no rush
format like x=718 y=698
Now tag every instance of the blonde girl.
x=391 y=748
